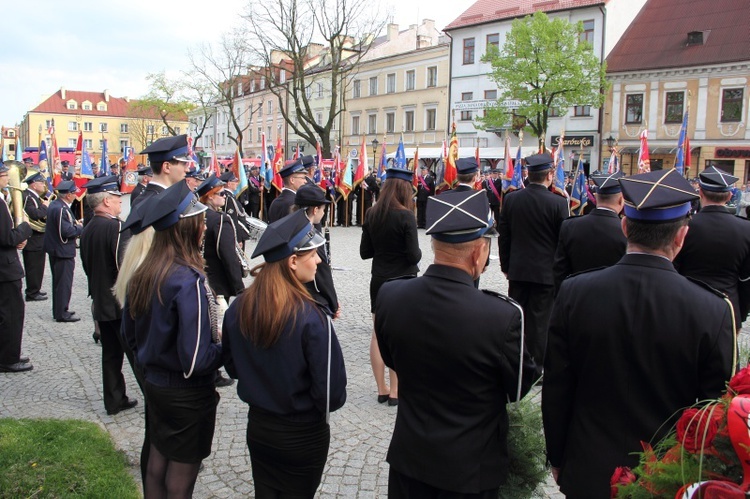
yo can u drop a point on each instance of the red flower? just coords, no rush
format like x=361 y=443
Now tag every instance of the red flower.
x=621 y=476
x=697 y=428
x=740 y=383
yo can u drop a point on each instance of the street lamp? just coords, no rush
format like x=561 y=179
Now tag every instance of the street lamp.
x=374 y=151
x=611 y=141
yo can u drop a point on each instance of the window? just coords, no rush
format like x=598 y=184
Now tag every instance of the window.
x=282 y=76
x=319 y=118
x=164 y=130
x=355 y=125
x=634 y=108
x=320 y=90
x=581 y=110
x=356 y=89
x=101 y=106
x=430 y=119
x=102 y=127
x=11 y=135
x=308 y=92
x=390 y=83
x=675 y=107
x=432 y=76
x=101 y=144
x=123 y=128
x=268 y=133
x=374 y=85
x=269 y=105
x=262 y=83
x=123 y=144
x=260 y=110
x=553 y=112
x=239 y=88
x=587 y=35
x=409 y=121
x=48 y=124
x=466 y=115
x=493 y=40
x=252 y=86
x=88 y=143
x=372 y=123
x=72 y=142
x=468 y=51
x=731 y=104
x=72 y=127
x=177 y=130
x=390 y=122
x=150 y=129
x=88 y=126
x=72 y=104
x=490 y=95
x=260 y=134
x=87 y=106
x=411 y=79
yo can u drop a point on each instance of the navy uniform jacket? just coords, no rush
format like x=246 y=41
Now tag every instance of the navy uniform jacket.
x=10 y=265
x=393 y=246
x=223 y=266
x=62 y=230
x=66 y=175
x=493 y=198
x=150 y=190
x=321 y=288
x=457 y=351
x=629 y=347
x=237 y=214
x=172 y=342
x=529 y=226
x=589 y=242
x=35 y=210
x=289 y=378
x=102 y=249
x=425 y=192
x=717 y=252
x=281 y=206
x=137 y=191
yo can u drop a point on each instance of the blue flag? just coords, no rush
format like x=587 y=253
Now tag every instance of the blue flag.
x=86 y=170
x=383 y=163
x=242 y=175
x=578 y=197
x=104 y=167
x=400 y=159
x=44 y=165
x=517 y=180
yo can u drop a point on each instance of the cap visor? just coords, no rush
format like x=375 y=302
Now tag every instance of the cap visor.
x=316 y=241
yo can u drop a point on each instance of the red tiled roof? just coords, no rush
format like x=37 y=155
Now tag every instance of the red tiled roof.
x=116 y=106
x=657 y=38
x=484 y=11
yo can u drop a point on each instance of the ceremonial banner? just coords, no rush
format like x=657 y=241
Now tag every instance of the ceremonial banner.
x=239 y=171
x=644 y=162
x=278 y=164
x=682 y=158
x=451 y=173
x=578 y=197
x=130 y=172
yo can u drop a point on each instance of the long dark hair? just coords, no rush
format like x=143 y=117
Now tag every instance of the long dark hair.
x=396 y=194
x=178 y=244
x=270 y=304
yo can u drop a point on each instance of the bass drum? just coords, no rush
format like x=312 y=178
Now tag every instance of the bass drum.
x=256 y=227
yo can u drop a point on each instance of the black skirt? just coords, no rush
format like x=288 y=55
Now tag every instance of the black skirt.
x=287 y=456
x=181 y=421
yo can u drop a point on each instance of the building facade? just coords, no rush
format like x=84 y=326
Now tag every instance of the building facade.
x=484 y=24
x=699 y=61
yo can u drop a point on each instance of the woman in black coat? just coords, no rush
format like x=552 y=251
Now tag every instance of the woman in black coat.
x=389 y=237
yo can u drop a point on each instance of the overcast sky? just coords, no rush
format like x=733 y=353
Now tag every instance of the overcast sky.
x=96 y=44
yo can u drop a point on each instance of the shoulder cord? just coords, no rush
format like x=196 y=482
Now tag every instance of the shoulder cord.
x=328 y=377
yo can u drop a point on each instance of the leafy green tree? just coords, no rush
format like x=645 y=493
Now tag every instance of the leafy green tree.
x=544 y=65
x=166 y=99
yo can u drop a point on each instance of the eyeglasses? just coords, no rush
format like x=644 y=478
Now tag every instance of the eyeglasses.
x=222 y=194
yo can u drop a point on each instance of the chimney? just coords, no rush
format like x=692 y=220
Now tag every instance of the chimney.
x=62 y=92
x=126 y=99
x=392 y=32
x=106 y=95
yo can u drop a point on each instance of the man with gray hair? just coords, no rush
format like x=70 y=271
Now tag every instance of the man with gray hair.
x=102 y=248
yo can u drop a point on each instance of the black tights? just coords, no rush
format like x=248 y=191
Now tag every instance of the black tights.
x=169 y=479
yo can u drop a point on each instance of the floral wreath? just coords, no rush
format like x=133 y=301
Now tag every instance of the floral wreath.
x=706 y=455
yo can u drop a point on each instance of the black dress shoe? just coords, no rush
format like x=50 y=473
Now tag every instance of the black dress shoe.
x=382 y=399
x=392 y=401
x=96 y=337
x=43 y=293
x=18 y=367
x=38 y=297
x=23 y=359
x=70 y=318
x=222 y=381
x=124 y=405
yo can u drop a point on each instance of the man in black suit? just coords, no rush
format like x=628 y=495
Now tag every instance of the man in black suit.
x=102 y=248
x=529 y=226
x=65 y=174
x=457 y=368
x=33 y=253
x=253 y=192
x=494 y=187
x=370 y=191
x=233 y=208
x=631 y=345
x=60 y=245
x=717 y=247
x=12 y=307
x=293 y=176
x=467 y=174
x=425 y=189
x=145 y=174
x=594 y=240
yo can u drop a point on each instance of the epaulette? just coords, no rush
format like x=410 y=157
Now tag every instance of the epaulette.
x=707 y=287
x=586 y=271
x=503 y=297
x=401 y=277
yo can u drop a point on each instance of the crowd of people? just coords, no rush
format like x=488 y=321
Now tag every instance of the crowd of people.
x=623 y=316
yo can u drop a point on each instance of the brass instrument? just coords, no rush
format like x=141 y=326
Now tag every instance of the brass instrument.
x=16 y=173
